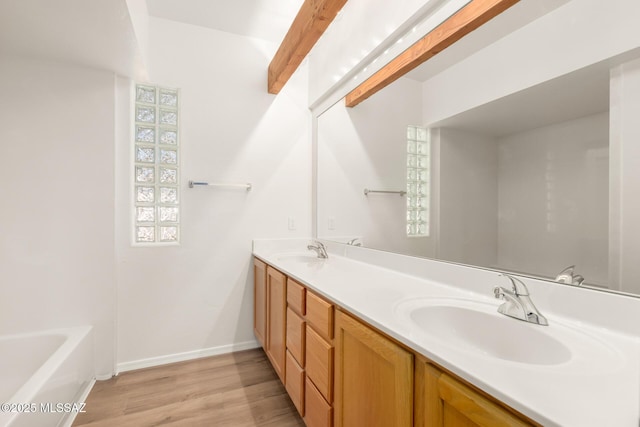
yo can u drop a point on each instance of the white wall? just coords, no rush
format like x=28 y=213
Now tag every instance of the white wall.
x=625 y=178
x=57 y=192
x=554 y=199
x=365 y=147
x=196 y=298
x=468 y=198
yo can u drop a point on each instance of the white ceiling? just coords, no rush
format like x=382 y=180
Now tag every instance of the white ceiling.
x=96 y=33
x=264 y=19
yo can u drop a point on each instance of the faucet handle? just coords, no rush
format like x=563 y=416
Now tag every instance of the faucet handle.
x=517 y=286
x=566 y=275
x=320 y=249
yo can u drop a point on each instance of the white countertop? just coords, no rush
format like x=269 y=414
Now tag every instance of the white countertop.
x=598 y=386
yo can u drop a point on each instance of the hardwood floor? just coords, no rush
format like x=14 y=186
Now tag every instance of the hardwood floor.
x=238 y=389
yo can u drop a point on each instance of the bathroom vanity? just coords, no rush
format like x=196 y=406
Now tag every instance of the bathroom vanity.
x=358 y=344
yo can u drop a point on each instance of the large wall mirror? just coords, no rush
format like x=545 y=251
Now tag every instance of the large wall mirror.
x=529 y=174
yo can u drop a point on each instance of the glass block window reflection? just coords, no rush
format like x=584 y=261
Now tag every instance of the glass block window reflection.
x=156 y=165
x=418 y=181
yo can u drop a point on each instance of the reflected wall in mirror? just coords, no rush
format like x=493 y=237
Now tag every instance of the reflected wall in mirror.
x=532 y=179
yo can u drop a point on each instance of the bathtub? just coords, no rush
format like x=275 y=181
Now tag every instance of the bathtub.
x=43 y=374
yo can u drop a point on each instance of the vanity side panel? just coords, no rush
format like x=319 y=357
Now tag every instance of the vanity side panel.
x=260 y=301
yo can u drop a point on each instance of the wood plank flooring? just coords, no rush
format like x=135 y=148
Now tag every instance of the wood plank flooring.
x=238 y=389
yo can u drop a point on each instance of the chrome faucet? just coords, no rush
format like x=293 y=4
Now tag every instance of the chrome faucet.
x=567 y=276
x=517 y=302
x=319 y=248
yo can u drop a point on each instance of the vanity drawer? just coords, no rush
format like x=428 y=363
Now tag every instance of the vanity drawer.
x=296 y=336
x=295 y=383
x=319 y=363
x=318 y=413
x=320 y=315
x=296 y=294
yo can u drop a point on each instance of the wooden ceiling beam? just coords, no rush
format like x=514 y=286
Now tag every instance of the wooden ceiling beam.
x=310 y=23
x=467 y=19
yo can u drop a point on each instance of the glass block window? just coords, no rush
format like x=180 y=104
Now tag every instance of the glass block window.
x=418 y=181
x=156 y=165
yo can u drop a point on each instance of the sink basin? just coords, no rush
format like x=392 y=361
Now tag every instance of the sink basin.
x=479 y=328
x=301 y=257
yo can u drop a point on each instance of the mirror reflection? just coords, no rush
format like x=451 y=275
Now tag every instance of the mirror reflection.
x=525 y=183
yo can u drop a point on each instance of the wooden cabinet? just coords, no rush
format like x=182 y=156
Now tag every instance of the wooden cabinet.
x=340 y=371
x=309 y=354
x=319 y=361
x=296 y=344
x=442 y=400
x=276 y=320
x=260 y=301
x=373 y=379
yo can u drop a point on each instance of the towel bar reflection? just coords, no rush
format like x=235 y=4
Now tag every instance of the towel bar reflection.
x=401 y=193
x=246 y=186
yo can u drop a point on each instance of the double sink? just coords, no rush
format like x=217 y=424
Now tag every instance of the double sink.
x=475 y=327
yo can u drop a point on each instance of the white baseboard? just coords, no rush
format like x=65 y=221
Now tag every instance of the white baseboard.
x=188 y=355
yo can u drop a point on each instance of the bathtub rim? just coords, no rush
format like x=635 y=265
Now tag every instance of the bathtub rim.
x=28 y=391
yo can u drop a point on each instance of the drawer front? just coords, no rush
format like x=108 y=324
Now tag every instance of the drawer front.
x=318 y=413
x=296 y=297
x=296 y=336
x=319 y=363
x=295 y=383
x=320 y=315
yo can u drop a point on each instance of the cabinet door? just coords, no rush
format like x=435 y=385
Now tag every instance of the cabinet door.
x=446 y=401
x=276 y=320
x=260 y=301
x=373 y=378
